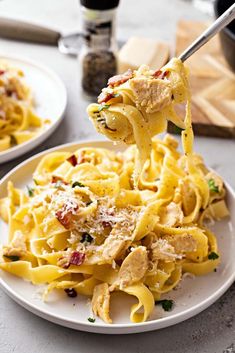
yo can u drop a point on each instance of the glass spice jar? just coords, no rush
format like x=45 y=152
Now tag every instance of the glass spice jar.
x=97 y=58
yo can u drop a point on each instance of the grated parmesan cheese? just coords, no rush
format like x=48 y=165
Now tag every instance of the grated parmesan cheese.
x=18 y=241
x=163 y=250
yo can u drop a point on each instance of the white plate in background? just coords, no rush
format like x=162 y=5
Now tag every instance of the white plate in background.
x=193 y=296
x=50 y=98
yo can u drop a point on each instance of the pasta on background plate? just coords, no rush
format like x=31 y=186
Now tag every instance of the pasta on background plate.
x=18 y=122
x=96 y=222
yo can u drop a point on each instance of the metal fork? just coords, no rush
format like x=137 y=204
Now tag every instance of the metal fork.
x=216 y=26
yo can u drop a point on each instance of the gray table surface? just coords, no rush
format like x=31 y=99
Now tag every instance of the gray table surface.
x=213 y=330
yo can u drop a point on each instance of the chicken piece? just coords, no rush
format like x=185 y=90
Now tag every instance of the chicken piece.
x=171 y=215
x=101 y=302
x=17 y=246
x=182 y=242
x=114 y=245
x=163 y=250
x=133 y=267
x=152 y=95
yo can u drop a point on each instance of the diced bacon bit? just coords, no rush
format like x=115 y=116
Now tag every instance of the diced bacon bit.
x=104 y=97
x=106 y=224
x=55 y=179
x=2 y=72
x=65 y=215
x=77 y=258
x=161 y=74
x=119 y=79
x=12 y=93
x=73 y=160
x=157 y=73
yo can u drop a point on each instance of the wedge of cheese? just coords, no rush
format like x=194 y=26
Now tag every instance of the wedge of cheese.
x=139 y=50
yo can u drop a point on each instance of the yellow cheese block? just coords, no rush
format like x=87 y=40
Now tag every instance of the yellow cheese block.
x=138 y=51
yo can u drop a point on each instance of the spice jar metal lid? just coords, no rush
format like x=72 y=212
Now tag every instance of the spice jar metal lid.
x=100 y=4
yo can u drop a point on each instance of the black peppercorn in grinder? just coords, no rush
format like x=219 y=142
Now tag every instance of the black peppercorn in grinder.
x=98 y=59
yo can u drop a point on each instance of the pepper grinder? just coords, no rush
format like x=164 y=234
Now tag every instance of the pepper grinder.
x=98 y=54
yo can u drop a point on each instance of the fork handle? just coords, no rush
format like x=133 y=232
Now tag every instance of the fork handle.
x=216 y=26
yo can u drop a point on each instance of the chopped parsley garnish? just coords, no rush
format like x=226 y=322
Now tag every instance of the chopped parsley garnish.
x=212 y=186
x=166 y=304
x=90 y=319
x=30 y=191
x=103 y=106
x=35 y=182
x=77 y=183
x=177 y=130
x=213 y=256
x=86 y=238
x=12 y=257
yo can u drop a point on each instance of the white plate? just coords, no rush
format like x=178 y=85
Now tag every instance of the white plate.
x=50 y=98
x=193 y=296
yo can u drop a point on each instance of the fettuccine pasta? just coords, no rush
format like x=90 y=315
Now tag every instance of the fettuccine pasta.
x=87 y=226
x=18 y=121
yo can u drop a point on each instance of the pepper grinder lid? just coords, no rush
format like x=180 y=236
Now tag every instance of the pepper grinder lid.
x=100 y=4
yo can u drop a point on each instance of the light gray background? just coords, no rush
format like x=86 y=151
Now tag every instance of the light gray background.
x=212 y=331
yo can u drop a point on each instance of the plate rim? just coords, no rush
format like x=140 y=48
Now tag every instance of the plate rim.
x=126 y=328
x=18 y=150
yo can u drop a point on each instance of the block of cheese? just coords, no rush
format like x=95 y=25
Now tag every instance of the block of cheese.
x=138 y=51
